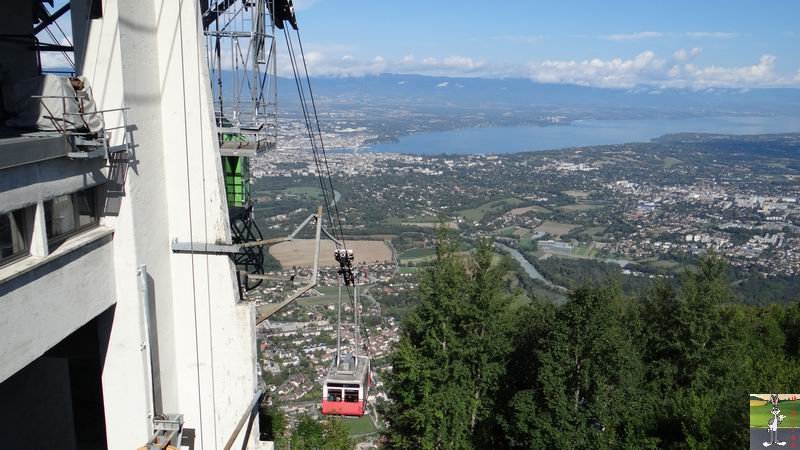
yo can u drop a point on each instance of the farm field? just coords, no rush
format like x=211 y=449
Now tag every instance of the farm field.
x=450 y=225
x=527 y=209
x=585 y=250
x=576 y=194
x=417 y=253
x=555 y=228
x=300 y=252
x=319 y=300
x=581 y=206
x=486 y=208
x=359 y=426
x=394 y=220
x=669 y=161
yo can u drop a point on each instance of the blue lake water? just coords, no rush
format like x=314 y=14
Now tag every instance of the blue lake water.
x=579 y=133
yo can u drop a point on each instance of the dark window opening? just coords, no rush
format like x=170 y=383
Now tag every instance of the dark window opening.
x=343 y=385
x=350 y=396
x=67 y=214
x=14 y=238
x=334 y=395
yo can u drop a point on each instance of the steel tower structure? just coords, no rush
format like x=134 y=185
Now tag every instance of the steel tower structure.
x=241 y=53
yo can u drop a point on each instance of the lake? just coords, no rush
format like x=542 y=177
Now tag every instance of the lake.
x=579 y=133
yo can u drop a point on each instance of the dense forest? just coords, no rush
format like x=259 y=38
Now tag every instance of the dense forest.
x=668 y=366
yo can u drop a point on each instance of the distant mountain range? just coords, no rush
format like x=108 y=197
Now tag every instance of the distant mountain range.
x=525 y=94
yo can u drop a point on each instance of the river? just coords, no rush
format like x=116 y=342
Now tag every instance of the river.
x=527 y=266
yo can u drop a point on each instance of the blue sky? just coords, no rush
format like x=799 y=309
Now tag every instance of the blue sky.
x=696 y=44
x=675 y=43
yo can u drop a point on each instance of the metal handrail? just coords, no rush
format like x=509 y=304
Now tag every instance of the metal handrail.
x=103 y=132
x=249 y=417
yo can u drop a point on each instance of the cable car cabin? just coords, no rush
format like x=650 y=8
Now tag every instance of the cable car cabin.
x=346 y=387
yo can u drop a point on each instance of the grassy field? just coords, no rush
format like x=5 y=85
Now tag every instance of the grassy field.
x=320 y=300
x=491 y=207
x=555 y=228
x=760 y=415
x=300 y=252
x=417 y=253
x=527 y=209
x=328 y=290
x=408 y=270
x=669 y=161
x=308 y=191
x=507 y=231
x=360 y=425
x=576 y=194
x=585 y=250
x=581 y=206
x=450 y=225
x=664 y=264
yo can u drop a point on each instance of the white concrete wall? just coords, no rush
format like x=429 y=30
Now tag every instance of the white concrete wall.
x=150 y=55
x=40 y=308
x=222 y=371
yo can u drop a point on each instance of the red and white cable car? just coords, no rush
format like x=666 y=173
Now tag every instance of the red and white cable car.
x=346 y=388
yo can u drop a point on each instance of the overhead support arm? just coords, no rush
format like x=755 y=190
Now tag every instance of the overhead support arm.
x=211 y=14
x=202 y=248
x=46 y=22
x=264 y=312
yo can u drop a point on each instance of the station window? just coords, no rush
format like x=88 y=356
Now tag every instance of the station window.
x=14 y=239
x=67 y=214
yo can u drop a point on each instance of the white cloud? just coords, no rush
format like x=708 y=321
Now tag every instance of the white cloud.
x=684 y=55
x=646 y=69
x=633 y=36
x=615 y=72
x=761 y=73
x=322 y=63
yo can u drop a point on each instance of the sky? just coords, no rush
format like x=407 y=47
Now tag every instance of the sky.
x=695 y=44
x=607 y=43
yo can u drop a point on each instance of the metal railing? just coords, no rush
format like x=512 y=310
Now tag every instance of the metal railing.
x=76 y=128
x=248 y=417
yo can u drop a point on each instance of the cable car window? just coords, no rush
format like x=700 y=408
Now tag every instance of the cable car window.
x=350 y=396
x=334 y=395
x=343 y=385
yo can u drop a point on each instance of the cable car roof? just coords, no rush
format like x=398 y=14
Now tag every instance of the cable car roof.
x=346 y=370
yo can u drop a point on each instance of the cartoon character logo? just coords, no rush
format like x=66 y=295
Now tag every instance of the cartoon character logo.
x=772 y=425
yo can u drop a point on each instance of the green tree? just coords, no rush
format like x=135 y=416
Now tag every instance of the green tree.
x=272 y=423
x=698 y=360
x=591 y=374
x=451 y=354
x=310 y=434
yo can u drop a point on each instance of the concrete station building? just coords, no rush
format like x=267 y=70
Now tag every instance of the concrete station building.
x=104 y=330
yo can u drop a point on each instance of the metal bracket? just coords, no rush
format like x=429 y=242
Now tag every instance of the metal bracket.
x=167 y=431
x=264 y=312
x=202 y=248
